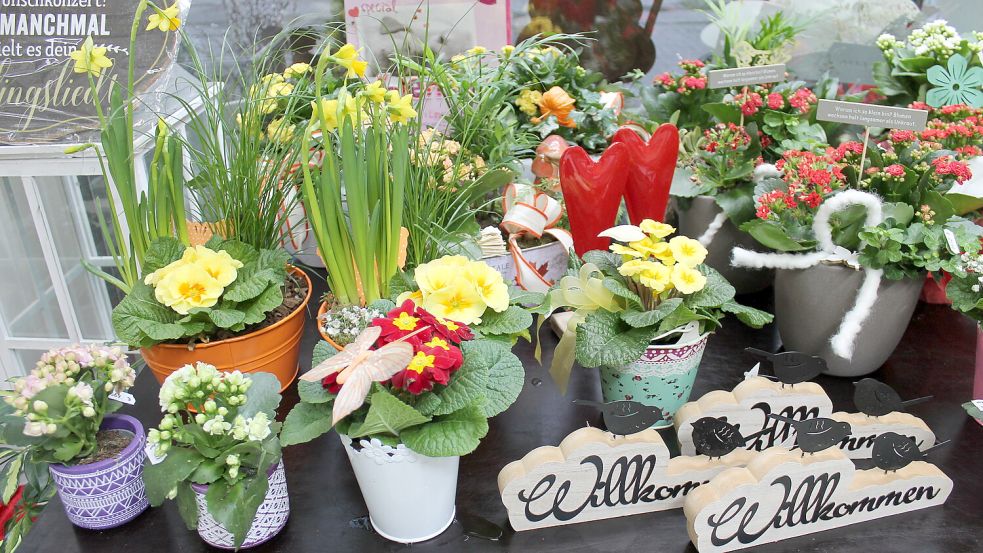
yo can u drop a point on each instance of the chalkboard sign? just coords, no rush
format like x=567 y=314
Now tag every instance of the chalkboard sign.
x=42 y=99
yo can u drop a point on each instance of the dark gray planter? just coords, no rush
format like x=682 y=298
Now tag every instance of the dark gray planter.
x=810 y=304
x=693 y=222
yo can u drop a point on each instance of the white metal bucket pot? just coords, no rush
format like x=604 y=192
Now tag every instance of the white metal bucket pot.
x=410 y=497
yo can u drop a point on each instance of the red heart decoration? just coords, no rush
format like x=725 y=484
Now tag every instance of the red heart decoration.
x=353 y=12
x=592 y=193
x=650 y=174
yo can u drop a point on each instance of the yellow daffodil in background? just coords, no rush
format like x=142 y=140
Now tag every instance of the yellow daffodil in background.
x=400 y=108
x=325 y=113
x=280 y=130
x=296 y=70
x=687 y=252
x=186 y=287
x=164 y=19
x=687 y=280
x=528 y=101
x=347 y=57
x=351 y=108
x=477 y=51
x=507 y=50
x=90 y=59
x=375 y=92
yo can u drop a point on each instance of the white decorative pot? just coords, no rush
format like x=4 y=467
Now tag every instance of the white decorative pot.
x=550 y=259
x=270 y=518
x=410 y=497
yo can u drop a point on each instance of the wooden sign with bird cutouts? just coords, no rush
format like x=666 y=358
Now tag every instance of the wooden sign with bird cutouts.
x=595 y=475
x=783 y=494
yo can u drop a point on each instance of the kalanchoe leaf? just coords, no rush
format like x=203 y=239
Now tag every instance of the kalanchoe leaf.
x=162 y=478
x=234 y=506
x=263 y=395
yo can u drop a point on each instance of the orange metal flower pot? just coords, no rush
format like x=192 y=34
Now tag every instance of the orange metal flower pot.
x=320 y=312
x=274 y=349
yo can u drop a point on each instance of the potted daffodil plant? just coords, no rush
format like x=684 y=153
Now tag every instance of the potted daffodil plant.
x=642 y=313
x=414 y=391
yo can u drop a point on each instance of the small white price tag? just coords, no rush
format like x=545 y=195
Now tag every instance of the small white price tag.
x=151 y=451
x=978 y=403
x=950 y=242
x=123 y=397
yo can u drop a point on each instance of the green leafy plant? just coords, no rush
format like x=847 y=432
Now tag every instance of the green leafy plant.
x=218 y=431
x=196 y=293
x=458 y=375
x=965 y=290
x=906 y=244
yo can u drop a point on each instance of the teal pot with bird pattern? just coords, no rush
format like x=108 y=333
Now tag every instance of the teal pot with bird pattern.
x=663 y=376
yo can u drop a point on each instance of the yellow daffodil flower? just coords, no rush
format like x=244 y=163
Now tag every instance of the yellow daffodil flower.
x=490 y=284
x=351 y=108
x=400 y=108
x=477 y=51
x=325 y=113
x=460 y=301
x=687 y=280
x=90 y=59
x=187 y=287
x=656 y=229
x=375 y=92
x=166 y=19
x=347 y=57
x=296 y=70
x=687 y=252
x=507 y=50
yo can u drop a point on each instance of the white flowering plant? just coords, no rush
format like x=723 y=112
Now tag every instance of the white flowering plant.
x=965 y=290
x=219 y=430
x=344 y=323
x=59 y=406
x=903 y=75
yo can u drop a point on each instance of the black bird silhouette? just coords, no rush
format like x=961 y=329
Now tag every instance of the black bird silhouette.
x=814 y=435
x=892 y=451
x=875 y=398
x=791 y=367
x=625 y=417
x=715 y=437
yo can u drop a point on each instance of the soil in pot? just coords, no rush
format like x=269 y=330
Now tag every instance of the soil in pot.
x=109 y=445
x=294 y=292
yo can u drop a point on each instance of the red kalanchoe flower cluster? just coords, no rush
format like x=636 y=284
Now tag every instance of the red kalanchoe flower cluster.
x=776 y=101
x=750 y=102
x=730 y=137
x=895 y=170
x=809 y=179
x=945 y=165
x=691 y=80
x=802 y=99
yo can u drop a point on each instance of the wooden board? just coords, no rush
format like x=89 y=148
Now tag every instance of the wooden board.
x=748 y=406
x=781 y=495
x=594 y=475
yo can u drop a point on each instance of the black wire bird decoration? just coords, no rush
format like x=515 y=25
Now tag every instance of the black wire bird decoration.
x=791 y=367
x=892 y=451
x=815 y=435
x=624 y=418
x=876 y=399
x=715 y=437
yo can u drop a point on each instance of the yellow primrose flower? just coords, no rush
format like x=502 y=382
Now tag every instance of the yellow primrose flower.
x=420 y=362
x=405 y=321
x=217 y=263
x=438 y=342
x=271 y=78
x=528 y=102
x=687 y=251
x=637 y=266
x=460 y=301
x=434 y=276
x=658 y=278
x=416 y=297
x=280 y=89
x=653 y=248
x=155 y=277
x=279 y=130
x=375 y=92
x=296 y=70
x=90 y=59
x=507 y=50
x=687 y=280
x=187 y=287
x=400 y=108
x=477 y=51
x=490 y=284
x=625 y=251
x=347 y=57
x=656 y=229
x=328 y=111
x=166 y=19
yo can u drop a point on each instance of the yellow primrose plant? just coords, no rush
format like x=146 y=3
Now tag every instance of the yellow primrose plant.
x=649 y=284
x=198 y=293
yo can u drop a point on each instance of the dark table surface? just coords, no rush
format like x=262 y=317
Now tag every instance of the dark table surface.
x=935 y=357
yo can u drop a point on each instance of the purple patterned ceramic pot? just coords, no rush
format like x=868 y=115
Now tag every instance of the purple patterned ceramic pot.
x=271 y=516
x=107 y=493
x=663 y=377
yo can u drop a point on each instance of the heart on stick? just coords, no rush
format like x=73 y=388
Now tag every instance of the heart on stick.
x=353 y=12
x=650 y=171
x=592 y=193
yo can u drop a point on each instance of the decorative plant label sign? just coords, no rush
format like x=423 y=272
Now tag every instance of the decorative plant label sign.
x=864 y=430
x=745 y=76
x=41 y=98
x=869 y=115
x=781 y=495
x=748 y=407
x=595 y=475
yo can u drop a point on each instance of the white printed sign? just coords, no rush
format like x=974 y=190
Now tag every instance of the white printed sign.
x=869 y=115
x=744 y=76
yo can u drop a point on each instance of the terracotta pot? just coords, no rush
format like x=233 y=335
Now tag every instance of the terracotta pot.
x=810 y=305
x=274 y=349
x=320 y=330
x=693 y=222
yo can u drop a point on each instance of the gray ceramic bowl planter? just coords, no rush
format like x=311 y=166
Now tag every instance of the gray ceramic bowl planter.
x=693 y=222
x=810 y=304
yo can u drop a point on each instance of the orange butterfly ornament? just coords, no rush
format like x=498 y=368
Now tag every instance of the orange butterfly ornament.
x=358 y=367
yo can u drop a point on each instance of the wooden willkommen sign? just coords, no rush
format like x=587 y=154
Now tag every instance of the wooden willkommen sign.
x=751 y=401
x=594 y=475
x=41 y=98
x=781 y=494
